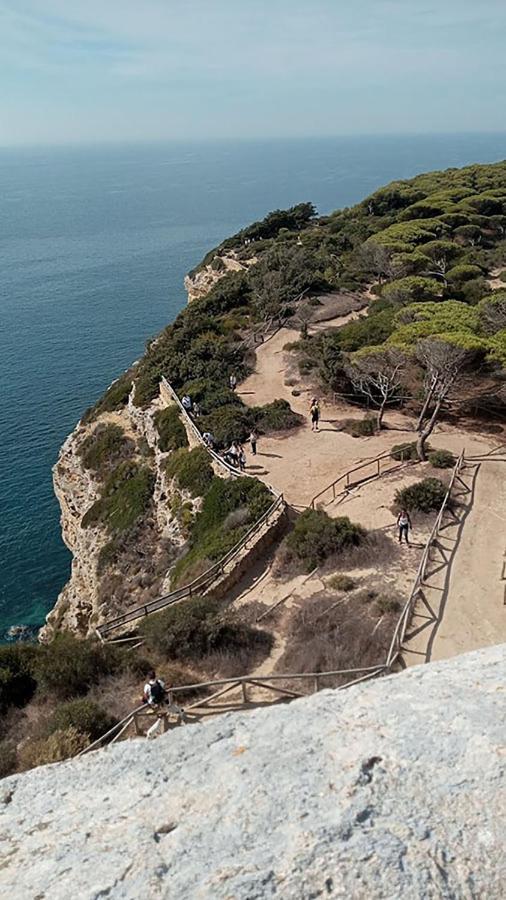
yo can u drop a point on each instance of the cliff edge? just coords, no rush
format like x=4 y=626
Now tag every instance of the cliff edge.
x=390 y=789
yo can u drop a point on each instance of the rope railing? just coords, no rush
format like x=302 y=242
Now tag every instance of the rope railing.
x=348 y=482
x=207 y=578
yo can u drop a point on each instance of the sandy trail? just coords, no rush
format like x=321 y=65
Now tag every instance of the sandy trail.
x=468 y=596
x=301 y=463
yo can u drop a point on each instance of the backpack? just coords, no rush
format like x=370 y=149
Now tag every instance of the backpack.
x=157 y=692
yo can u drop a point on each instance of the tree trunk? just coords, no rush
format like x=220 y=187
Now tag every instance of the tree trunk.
x=379 y=417
x=425 y=433
x=425 y=407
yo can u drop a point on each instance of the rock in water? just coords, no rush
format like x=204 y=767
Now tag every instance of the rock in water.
x=392 y=789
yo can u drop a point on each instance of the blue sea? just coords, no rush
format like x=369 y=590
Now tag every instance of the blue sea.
x=94 y=245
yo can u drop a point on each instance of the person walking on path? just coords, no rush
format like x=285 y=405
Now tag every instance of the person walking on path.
x=404 y=525
x=156 y=697
x=154 y=690
x=242 y=459
x=209 y=440
x=232 y=382
x=253 y=438
x=315 y=414
x=186 y=403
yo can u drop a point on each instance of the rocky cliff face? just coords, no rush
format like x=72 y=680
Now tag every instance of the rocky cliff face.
x=93 y=595
x=200 y=283
x=392 y=789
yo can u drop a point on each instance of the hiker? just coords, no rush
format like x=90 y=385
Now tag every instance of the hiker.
x=404 y=524
x=209 y=440
x=196 y=411
x=154 y=690
x=242 y=459
x=253 y=438
x=232 y=454
x=186 y=403
x=232 y=381
x=315 y=414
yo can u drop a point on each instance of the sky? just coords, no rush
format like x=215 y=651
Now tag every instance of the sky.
x=75 y=71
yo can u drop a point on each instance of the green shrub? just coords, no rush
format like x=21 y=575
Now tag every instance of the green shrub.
x=276 y=416
x=115 y=397
x=423 y=496
x=126 y=496
x=7 y=759
x=316 y=536
x=172 y=433
x=67 y=667
x=58 y=746
x=192 y=470
x=84 y=715
x=196 y=628
x=342 y=583
x=17 y=684
x=360 y=427
x=387 y=605
x=104 y=448
x=210 y=395
x=228 y=423
x=403 y=452
x=441 y=459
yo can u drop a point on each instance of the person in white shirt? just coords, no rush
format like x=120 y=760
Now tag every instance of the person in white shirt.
x=404 y=525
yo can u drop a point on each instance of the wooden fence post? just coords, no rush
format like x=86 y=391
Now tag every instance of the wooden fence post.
x=244 y=691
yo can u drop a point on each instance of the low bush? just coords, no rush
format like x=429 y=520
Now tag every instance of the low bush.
x=67 y=667
x=423 y=496
x=197 y=629
x=342 y=583
x=191 y=469
x=360 y=427
x=228 y=423
x=387 y=605
x=17 y=684
x=209 y=395
x=403 y=452
x=316 y=536
x=86 y=716
x=104 y=448
x=7 y=759
x=276 y=416
x=171 y=431
x=58 y=746
x=441 y=459
x=126 y=496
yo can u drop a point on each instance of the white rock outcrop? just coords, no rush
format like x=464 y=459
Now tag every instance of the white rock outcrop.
x=391 y=789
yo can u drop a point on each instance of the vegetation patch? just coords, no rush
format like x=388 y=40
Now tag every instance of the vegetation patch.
x=342 y=582
x=213 y=532
x=360 y=427
x=424 y=496
x=86 y=716
x=104 y=448
x=58 y=746
x=67 y=667
x=404 y=452
x=17 y=683
x=316 y=537
x=441 y=459
x=171 y=431
x=115 y=397
x=198 y=628
x=126 y=496
x=192 y=470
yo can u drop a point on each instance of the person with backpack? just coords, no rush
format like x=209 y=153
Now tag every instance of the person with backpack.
x=154 y=691
x=404 y=525
x=315 y=414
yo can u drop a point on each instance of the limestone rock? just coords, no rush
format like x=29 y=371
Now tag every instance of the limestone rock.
x=390 y=789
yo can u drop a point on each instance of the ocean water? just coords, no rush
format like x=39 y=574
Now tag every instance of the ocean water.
x=94 y=245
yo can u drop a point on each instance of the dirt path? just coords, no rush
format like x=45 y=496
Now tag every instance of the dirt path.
x=466 y=584
x=302 y=463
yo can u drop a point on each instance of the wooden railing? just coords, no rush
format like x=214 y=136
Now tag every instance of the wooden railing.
x=405 y=616
x=211 y=575
x=380 y=465
x=317 y=679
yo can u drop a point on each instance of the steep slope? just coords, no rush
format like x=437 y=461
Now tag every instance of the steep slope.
x=387 y=795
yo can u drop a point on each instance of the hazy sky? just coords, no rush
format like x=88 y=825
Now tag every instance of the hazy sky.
x=80 y=70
